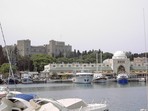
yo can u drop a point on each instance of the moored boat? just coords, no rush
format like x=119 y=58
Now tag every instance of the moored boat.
x=122 y=78
x=29 y=102
x=26 y=80
x=83 y=77
x=12 y=81
x=99 y=78
x=76 y=104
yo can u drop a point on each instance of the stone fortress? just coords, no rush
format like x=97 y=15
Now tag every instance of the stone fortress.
x=24 y=48
x=54 y=48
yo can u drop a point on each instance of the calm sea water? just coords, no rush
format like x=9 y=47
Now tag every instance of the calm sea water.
x=130 y=97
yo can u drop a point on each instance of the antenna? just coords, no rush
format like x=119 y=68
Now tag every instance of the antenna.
x=144 y=33
x=10 y=65
x=145 y=42
x=101 y=60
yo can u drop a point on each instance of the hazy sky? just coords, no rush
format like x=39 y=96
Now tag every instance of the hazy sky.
x=109 y=25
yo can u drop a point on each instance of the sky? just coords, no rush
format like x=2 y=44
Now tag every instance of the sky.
x=109 y=25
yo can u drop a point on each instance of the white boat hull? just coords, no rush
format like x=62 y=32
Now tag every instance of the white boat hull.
x=27 y=81
x=100 y=80
x=41 y=104
x=83 y=80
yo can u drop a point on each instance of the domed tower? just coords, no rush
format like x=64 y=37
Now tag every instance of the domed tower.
x=121 y=64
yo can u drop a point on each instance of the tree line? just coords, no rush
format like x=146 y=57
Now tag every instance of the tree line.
x=38 y=61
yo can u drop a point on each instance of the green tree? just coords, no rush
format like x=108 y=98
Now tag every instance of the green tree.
x=40 y=60
x=4 y=69
x=24 y=63
x=107 y=55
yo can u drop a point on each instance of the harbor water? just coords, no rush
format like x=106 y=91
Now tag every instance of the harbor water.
x=130 y=97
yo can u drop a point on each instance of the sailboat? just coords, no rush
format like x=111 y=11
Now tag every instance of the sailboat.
x=145 y=55
x=5 y=90
x=98 y=77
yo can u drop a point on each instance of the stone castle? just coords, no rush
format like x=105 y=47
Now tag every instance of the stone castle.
x=54 y=48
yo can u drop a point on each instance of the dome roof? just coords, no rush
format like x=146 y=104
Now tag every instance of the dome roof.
x=119 y=55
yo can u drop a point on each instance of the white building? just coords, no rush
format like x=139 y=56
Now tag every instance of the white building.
x=121 y=64
x=118 y=64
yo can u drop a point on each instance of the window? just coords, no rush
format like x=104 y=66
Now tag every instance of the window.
x=121 y=62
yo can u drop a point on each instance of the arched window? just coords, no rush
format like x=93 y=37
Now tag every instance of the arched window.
x=121 y=69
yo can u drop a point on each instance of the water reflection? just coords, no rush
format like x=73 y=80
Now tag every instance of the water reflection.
x=72 y=86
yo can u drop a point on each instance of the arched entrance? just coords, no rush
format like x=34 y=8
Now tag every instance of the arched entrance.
x=121 y=69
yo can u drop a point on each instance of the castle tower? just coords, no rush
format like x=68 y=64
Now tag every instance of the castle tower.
x=24 y=47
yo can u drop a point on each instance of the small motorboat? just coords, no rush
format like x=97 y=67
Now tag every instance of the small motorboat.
x=26 y=80
x=30 y=102
x=77 y=104
x=99 y=78
x=122 y=78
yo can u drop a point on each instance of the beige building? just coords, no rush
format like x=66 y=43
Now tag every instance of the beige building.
x=118 y=64
x=54 y=48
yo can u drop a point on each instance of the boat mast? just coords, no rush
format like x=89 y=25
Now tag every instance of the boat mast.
x=101 y=61
x=145 y=42
x=10 y=65
x=96 y=62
